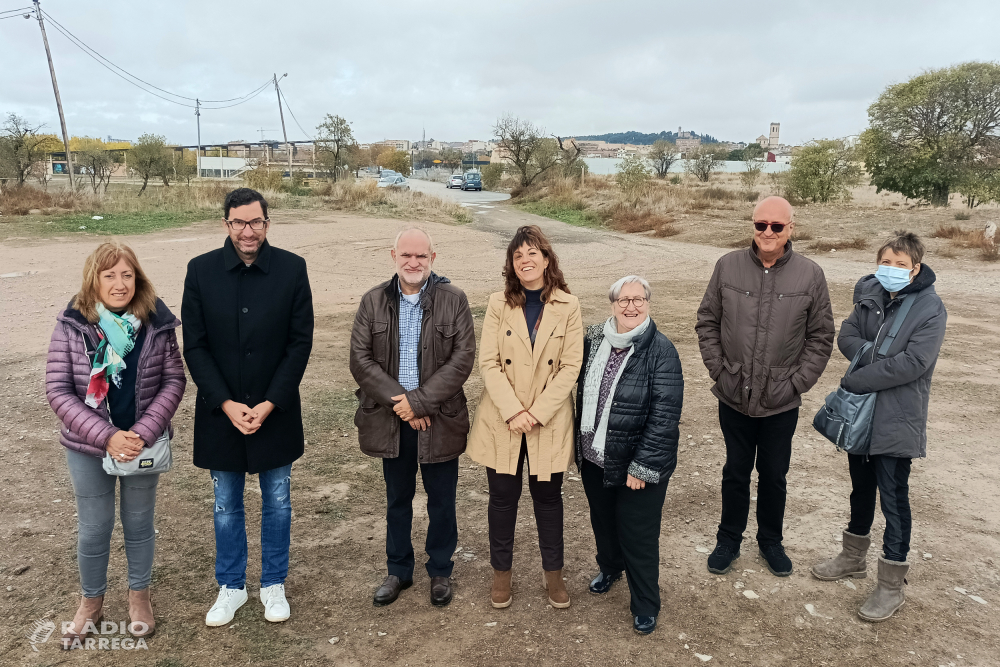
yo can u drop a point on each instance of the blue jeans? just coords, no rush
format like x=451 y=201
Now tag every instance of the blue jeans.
x=231 y=530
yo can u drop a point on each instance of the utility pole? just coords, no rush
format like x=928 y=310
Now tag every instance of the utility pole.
x=55 y=89
x=197 y=113
x=285 y=134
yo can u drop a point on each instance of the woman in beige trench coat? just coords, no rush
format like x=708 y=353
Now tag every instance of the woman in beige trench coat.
x=530 y=356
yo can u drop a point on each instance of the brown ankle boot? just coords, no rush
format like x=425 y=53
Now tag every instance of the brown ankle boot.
x=554 y=584
x=86 y=621
x=140 y=613
x=500 y=596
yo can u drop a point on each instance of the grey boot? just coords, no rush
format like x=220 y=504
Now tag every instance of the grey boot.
x=850 y=562
x=888 y=595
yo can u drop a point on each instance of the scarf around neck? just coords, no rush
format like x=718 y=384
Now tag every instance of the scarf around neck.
x=592 y=383
x=118 y=334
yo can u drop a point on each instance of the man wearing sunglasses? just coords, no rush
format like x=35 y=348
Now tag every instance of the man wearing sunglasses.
x=248 y=329
x=765 y=329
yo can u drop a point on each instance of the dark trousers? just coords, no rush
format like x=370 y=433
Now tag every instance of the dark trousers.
x=767 y=443
x=890 y=475
x=627 y=531
x=440 y=483
x=505 y=492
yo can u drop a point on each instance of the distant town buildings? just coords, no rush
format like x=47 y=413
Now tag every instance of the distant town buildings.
x=686 y=141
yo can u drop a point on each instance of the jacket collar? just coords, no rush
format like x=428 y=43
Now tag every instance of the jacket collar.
x=392 y=290
x=596 y=334
x=870 y=288
x=163 y=318
x=781 y=260
x=231 y=260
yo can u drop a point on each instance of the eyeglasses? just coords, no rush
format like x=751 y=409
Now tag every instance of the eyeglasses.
x=638 y=302
x=776 y=227
x=255 y=225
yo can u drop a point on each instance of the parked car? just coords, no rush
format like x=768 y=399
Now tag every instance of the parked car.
x=396 y=182
x=389 y=172
x=472 y=181
x=456 y=181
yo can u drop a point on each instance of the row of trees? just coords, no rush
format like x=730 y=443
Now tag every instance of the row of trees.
x=24 y=149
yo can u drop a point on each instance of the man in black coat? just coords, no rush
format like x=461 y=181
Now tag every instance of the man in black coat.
x=248 y=328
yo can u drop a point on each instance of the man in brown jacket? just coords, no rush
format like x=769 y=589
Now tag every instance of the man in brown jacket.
x=765 y=329
x=412 y=348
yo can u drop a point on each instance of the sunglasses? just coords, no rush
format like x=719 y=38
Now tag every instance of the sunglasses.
x=776 y=227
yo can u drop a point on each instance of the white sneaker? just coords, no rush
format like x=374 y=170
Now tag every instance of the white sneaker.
x=229 y=600
x=276 y=607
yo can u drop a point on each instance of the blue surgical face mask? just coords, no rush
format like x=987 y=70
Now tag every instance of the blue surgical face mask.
x=893 y=278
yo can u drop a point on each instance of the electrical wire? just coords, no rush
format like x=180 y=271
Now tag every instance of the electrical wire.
x=17 y=11
x=122 y=73
x=289 y=107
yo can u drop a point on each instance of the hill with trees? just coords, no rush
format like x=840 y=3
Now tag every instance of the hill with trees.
x=642 y=138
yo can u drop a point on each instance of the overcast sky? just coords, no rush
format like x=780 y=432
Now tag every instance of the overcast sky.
x=393 y=67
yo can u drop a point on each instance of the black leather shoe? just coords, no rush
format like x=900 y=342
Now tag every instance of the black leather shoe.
x=440 y=591
x=602 y=582
x=721 y=560
x=389 y=590
x=778 y=563
x=644 y=624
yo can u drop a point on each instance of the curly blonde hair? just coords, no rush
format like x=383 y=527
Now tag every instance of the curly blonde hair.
x=143 y=303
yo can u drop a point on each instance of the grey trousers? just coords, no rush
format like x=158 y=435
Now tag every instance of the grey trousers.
x=95 y=507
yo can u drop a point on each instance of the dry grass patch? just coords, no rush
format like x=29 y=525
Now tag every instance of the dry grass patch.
x=974 y=239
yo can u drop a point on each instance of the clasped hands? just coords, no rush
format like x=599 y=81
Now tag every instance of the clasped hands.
x=521 y=423
x=247 y=420
x=124 y=445
x=405 y=412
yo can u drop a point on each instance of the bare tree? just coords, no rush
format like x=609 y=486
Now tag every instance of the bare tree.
x=753 y=167
x=333 y=136
x=525 y=147
x=21 y=149
x=663 y=155
x=97 y=162
x=702 y=163
x=569 y=157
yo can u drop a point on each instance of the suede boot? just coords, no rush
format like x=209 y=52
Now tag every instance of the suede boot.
x=91 y=611
x=888 y=595
x=500 y=596
x=140 y=613
x=554 y=584
x=850 y=562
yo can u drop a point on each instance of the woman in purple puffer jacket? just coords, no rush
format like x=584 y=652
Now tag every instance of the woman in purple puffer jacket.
x=114 y=377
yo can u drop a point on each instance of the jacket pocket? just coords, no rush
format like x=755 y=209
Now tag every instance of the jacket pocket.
x=444 y=342
x=730 y=382
x=366 y=404
x=380 y=341
x=779 y=390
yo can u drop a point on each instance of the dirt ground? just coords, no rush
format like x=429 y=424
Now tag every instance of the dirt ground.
x=338 y=529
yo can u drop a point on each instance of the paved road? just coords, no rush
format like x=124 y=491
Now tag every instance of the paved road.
x=471 y=198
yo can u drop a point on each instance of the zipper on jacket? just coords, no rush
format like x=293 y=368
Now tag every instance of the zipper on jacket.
x=150 y=333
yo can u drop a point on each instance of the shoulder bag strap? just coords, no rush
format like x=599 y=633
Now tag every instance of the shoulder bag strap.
x=857 y=357
x=897 y=322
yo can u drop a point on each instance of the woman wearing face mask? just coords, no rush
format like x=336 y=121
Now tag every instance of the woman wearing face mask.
x=628 y=408
x=530 y=357
x=902 y=379
x=114 y=377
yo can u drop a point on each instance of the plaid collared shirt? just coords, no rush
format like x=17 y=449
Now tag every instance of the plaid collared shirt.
x=410 y=319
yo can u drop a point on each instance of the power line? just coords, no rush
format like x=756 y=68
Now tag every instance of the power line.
x=17 y=11
x=280 y=92
x=104 y=62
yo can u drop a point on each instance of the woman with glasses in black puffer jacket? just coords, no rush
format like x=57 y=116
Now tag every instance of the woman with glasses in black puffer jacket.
x=629 y=401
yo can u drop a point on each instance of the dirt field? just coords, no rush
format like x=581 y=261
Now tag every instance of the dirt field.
x=338 y=529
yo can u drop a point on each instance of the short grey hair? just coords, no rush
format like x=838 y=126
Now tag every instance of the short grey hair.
x=430 y=241
x=616 y=289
